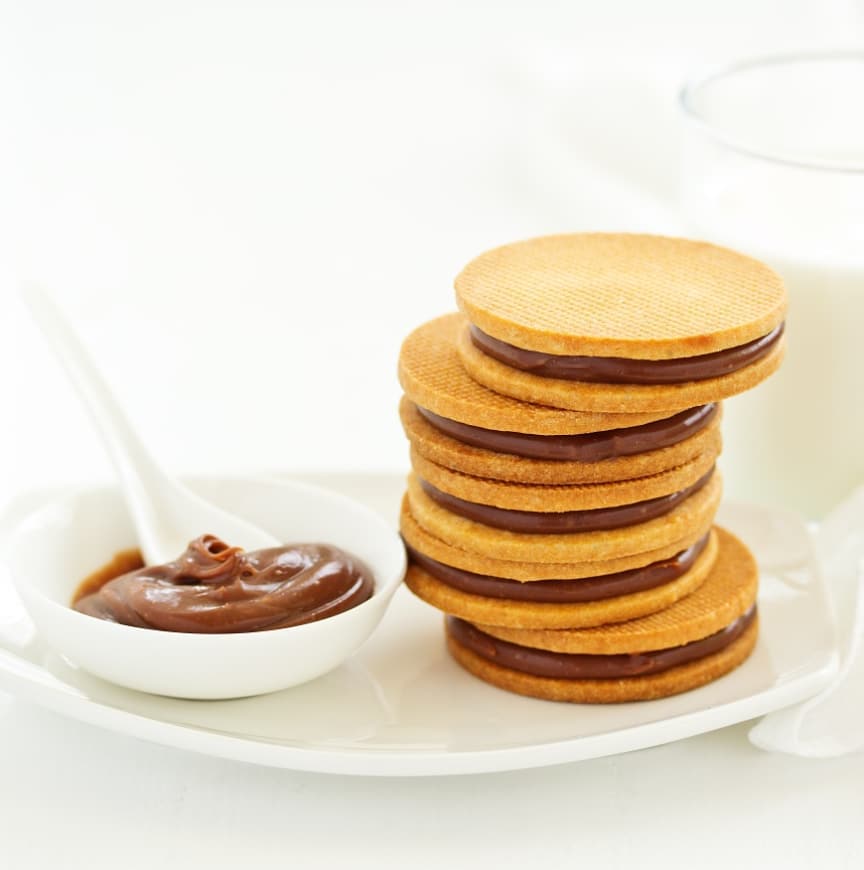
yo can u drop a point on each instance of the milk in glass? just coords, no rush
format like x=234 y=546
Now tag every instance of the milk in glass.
x=797 y=440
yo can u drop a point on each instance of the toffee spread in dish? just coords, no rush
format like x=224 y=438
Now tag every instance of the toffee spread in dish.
x=215 y=588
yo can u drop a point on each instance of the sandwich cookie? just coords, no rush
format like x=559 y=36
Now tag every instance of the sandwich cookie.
x=455 y=421
x=559 y=604
x=422 y=541
x=434 y=379
x=696 y=640
x=564 y=536
x=615 y=322
x=561 y=497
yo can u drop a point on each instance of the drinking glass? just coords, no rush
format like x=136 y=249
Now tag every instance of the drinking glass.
x=773 y=165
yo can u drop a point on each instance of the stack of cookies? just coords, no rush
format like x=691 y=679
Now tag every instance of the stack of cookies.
x=564 y=430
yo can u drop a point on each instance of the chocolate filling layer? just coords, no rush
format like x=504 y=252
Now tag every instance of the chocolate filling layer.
x=564 y=591
x=578 y=666
x=624 y=370
x=562 y=522
x=592 y=447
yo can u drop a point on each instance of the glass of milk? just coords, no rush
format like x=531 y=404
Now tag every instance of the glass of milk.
x=773 y=165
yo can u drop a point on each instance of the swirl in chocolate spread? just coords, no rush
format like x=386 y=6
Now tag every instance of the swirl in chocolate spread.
x=564 y=591
x=625 y=370
x=563 y=522
x=590 y=447
x=582 y=666
x=215 y=588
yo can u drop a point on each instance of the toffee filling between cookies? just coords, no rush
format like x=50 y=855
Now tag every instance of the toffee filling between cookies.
x=581 y=666
x=625 y=370
x=563 y=522
x=590 y=447
x=564 y=591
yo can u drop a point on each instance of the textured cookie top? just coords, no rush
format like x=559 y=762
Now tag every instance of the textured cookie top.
x=616 y=294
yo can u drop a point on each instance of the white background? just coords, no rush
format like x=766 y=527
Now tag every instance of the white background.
x=244 y=207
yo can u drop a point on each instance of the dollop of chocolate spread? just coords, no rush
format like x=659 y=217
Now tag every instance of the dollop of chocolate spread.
x=564 y=591
x=591 y=447
x=625 y=370
x=579 y=666
x=563 y=522
x=214 y=588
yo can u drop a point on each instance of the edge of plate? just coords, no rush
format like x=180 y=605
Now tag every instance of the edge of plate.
x=68 y=702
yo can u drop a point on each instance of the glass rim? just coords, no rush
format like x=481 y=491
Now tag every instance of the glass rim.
x=687 y=94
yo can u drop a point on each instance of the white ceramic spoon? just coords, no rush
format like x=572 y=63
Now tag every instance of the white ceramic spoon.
x=166 y=515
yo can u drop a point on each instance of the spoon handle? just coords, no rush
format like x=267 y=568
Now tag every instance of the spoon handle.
x=133 y=460
x=166 y=515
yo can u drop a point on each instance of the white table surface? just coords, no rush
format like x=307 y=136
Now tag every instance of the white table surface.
x=74 y=796
x=244 y=207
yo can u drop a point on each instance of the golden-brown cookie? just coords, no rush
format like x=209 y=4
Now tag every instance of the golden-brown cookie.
x=435 y=446
x=694 y=512
x=612 y=398
x=526 y=571
x=620 y=295
x=610 y=691
x=727 y=593
x=548 y=498
x=433 y=378
x=536 y=615
x=643 y=658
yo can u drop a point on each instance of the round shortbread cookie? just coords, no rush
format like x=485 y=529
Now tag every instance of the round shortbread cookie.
x=445 y=451
x=727 y=593
x=433 y=377
x=526 y=571
x=611 y=398
x=534 y=615
x=611 y=691
x=695 y=511
x=620 y=295
x=552 y=498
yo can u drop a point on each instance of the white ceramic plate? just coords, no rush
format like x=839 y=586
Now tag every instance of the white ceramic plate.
x=401 y=707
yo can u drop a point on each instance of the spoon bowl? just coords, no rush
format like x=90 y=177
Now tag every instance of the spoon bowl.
x=56 y=546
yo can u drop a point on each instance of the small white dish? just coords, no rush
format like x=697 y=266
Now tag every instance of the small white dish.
x=402 y=707
x=55 y=547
